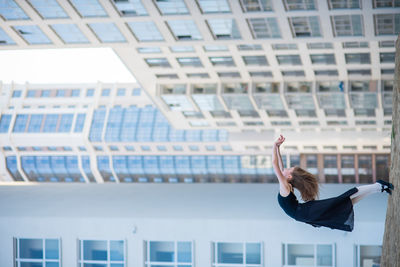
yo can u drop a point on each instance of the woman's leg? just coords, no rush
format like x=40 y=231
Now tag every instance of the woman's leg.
x=365 y=190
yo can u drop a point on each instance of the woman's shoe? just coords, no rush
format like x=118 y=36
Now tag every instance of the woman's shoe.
x=388 y=190
x=384 y=183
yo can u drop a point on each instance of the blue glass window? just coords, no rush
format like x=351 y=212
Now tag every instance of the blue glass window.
x=96 y=128
x=184 y=30
x=145 y=124
x=121 y=92
x=86 y=168
x=224 y=29
x=149 y=50
x=44 y=169
x=120 y=166
x=70 y=33
x=199 y=165
x=65 y=123
x=16 y=93
x=182 y=165
x=167 y=165
x=136 y=92
x=45 y=93
x=60 y=93
x=75 y=92
x=20 y=123
x=49 y=9
x=150 y=164
x=58 y=166
x=105 y=92
x=161 y=128
x=96 y=253
x=215 y=165
x=145 y=31
x=32 y=34
x=129 y=124
x=79 y=123
x=50 y=124
x=5 y=121
x=113 y=128
x=103 y=164
x=193 y=135
x=89 y=92
x=189 y=62
x=71 y=164
x=130 y=8
x=29 y=167
x=232 y=164
x=215 y=6
x=5 y=39
x=107 y=32
x=89 y=8
x=31 y=93
x=210 y=135
x=172 y=7
x=135 y=165
x=37 y=252
x=176 y=135
x=11 y=162
x=9 y=10
x=35 y=123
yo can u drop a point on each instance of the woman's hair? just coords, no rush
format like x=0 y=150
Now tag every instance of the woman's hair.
x=306 y=183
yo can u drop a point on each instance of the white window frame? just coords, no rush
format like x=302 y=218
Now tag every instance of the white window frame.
x=215 y=254
x=358 y=254
x=315 y=253
x=175 y=263
x=18 y=260
x=81 y=261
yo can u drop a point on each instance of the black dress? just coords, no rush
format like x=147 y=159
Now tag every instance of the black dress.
x=335 y=213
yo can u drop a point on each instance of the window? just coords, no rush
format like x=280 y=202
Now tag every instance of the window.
x=255 y=60
x=319 y=45
x=164 y=253
x=368 y=255
x=184 y=30
x=5 y=121
x=326 y=73
x=262 y=28
x=171 y=7
x=305 y=26
x=89 y=8
x=5 y=39
x=355 y=45
x=348 y=25
x=16 y=93
x=262 y=74
x=305 y=113
x=158 y=62
x=357 y=58
x=223 y=29
x=75 y=92
x=69 y=33
x=189 y=62
x=335 y=113
x=236 y=254
x=107 y=253
x=256 y=6
x=344 y=4
x=215 y=48
x=32 y=34
x=387 y=24
x=249 y=47
x=49 y=9
x=308 y=255
x=299 y=5
x=296 y=73
x=89 y=92
x=361 y=72
x=130 y=8
x=228 y=74
x=149 y=50
x=288 y=59
x=387 y=71
x=197 y=75
x=181 y=49
x=386 y=44
x=10 y=10
x=216 y=6
x=107 y=32
x=105 y=92
x=167 y=76
x=222 y=61
x=386 y=3
x=327 y=59
x=37 y=252
x=387 y=57
x=145 y=31
x=136 y=91
x=284 y=46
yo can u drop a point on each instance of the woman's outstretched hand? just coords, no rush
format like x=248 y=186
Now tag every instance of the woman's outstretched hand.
x=280 y=140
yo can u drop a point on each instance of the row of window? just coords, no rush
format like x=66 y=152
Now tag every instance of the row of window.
x=113 y=253
x=221 y=28
x=72 y=93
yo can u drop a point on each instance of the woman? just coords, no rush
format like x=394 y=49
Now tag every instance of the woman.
x=335 y=213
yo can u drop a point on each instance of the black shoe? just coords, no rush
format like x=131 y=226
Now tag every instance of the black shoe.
x=384 y=183
x=387 y=189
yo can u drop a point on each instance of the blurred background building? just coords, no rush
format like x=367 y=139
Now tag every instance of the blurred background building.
x=217 y=81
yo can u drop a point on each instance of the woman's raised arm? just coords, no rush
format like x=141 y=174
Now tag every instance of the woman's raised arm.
x=284 y=187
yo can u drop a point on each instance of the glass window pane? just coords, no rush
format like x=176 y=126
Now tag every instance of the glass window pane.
x=51 y=248
x=214 y=6
x=11 y=11
x=370 y=255
x=70 y=33
x=253 y=253
x=31 y=264
x=162 y=251
x=324 y=255
x=31 y=248
x=89 y=8
x=6 y=40
x=145 y=31
x=230 y=253
x=94 y=250
x=184 y=252
x=32 y=34
x=129 y=8
x=117 y=250
x=224 y=29
x=49 y=9
x=264 y=28
x=107 y=32
x=184 y=30
x=305 y=26
x=256 y=6
x=300 y=255
x=172 y=7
